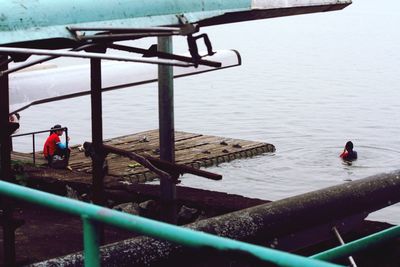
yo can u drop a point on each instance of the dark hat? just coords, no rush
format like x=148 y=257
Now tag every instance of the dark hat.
x=55 y=128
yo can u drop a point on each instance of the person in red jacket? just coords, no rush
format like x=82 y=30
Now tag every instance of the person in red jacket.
x=348 y=153
x=56 y=152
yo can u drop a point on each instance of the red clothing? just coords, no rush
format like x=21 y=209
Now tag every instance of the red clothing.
x=344 y=154
x=50 y=146
x=349 y=155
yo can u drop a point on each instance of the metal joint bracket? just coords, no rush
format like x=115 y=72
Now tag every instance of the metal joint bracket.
x=75 y=33
x=192 y=40
x=187 y=28
x=193 y=48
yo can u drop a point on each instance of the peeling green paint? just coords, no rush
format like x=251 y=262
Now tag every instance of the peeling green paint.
x=52 y=17
x=30 y=20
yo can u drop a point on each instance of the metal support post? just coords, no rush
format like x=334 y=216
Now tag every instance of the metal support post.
x=166 y=128
x=91 y=242
x=66 y=137
x=337 y=234
x=33 y=149
x=97 y=139
x=97 y=132
x=5 y=170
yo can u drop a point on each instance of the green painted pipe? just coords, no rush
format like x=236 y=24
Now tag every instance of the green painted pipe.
x=176 y=234
x=358 y=245
x=91 y=242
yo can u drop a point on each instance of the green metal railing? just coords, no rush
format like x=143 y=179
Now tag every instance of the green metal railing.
x=358 y=245
x=92 y=214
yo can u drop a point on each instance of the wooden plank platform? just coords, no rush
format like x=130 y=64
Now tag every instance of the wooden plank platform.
x=192 y=149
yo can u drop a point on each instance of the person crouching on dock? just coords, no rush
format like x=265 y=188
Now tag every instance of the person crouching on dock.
x=56 y=152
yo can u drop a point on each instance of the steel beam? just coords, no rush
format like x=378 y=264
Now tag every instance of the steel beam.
x=46 y=52
x=97 y=132
x=43 y=59
x=5 y=168
x=166 y=128
x=97 y=141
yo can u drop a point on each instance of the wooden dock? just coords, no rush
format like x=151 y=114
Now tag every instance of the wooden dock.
x=196 y=150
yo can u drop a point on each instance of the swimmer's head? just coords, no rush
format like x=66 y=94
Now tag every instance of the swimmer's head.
x=349 y=146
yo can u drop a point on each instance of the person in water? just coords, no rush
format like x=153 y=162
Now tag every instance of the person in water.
x=348 y=153
x=56 y=152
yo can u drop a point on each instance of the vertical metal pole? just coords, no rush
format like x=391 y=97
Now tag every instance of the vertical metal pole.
x=5 y=170
x=91 y=243
x=66 y=137
x=97 y=132
x=337 y=234
x=166 y=128
x=97 y=139
x=33 y=149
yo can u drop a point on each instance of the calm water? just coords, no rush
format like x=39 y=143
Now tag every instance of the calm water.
x=307 y=85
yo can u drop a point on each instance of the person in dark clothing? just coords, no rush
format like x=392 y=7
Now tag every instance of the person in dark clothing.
x=14 y=121
x=348 y=153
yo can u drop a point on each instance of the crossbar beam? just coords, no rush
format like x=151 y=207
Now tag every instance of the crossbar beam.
x=46 y=52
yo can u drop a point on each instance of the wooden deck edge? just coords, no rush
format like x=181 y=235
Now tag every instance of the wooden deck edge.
x=195 y=150
x=148 y=176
